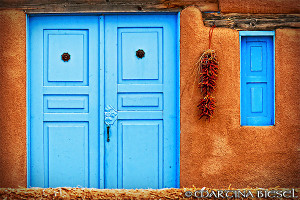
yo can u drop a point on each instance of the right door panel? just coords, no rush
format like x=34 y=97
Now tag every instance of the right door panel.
x=141 y=85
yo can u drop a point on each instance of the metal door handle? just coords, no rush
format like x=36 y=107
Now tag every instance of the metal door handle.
x=107 y=132
x=111 y=116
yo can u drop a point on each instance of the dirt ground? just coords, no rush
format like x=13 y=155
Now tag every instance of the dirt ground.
x=182 y=193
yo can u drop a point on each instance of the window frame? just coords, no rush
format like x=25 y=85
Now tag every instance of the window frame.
x=257 y=33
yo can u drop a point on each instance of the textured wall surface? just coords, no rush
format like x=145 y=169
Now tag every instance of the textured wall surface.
x=213 y=154
x=259 y=6
x=12 y=98
x=221 y=152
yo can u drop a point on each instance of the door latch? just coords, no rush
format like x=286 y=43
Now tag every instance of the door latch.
x=107 y=132
x=111 y=116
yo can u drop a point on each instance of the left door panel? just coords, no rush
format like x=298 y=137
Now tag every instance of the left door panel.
x=64 y=102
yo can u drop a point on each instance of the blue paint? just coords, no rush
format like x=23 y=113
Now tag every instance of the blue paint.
x=142 y=152
x=140 y=164
x=178 y=101
x=256 y=100
x=64 y=138
x=133 y=69
x=257 y=33
x=257 y=79
x=66 y=103
x=67 y=136
x=140 y=101
x=256 y=59
x=101 y=101
x=28 y=106
x=67 y=148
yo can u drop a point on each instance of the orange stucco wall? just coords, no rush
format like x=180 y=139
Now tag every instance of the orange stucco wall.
x=12 y=98
x=213 y=154
x=221 y=152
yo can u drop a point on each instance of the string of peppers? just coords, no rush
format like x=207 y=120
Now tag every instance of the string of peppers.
x=207 y=72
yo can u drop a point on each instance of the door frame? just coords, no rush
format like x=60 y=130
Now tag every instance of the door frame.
x=101 y=88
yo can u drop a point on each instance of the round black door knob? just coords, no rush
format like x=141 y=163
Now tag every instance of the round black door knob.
x=140 y=53
x=65 y=57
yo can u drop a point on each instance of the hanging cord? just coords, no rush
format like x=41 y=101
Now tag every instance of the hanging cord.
x=198 y=66
x=210 y=35
x=207 y=73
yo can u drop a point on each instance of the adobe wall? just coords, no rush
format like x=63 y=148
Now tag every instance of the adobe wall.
x=221 y=152
x=12 y=98
x=259 y=6
x=213 y=154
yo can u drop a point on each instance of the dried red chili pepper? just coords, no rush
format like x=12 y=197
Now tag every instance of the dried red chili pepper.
x=208 y=70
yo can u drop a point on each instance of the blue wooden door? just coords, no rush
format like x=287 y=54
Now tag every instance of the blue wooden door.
x=64 y=101
x=142 y=151
x=85 y=76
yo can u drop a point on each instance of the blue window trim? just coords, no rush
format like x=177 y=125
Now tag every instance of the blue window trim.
x=258 y=33
x=27 y=102
x=178 y=101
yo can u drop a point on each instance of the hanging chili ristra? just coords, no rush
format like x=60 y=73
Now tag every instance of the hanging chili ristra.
x=207 y=71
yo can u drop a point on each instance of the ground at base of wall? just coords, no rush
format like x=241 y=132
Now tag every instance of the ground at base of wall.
x=182 y=193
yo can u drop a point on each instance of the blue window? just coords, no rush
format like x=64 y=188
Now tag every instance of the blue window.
x=257 y=78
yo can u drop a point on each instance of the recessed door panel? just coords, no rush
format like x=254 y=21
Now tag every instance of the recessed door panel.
x=140 y=101
x=66 y=103
x=66 y=152
x=257 y=58
x=73 y=71
x=133 y=68
x=140 y=153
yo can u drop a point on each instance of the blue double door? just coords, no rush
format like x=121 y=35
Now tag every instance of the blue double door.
x=103 y=94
